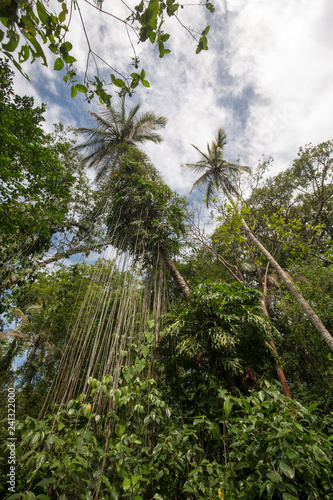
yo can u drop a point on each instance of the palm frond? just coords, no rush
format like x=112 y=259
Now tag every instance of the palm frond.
x=113 y=128
x=240 y=168
x=221 y=138
x=205 y=178
x=211 y=191
x=195 y=167
x=208 y=159
x=11 y=332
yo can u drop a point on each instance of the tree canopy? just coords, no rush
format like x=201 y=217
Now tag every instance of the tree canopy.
x=178 y=363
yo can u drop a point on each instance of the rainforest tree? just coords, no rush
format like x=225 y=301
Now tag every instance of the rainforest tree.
x=215 y=174
x=46 y=202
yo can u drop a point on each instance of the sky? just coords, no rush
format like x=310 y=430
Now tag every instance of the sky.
x=266 y=79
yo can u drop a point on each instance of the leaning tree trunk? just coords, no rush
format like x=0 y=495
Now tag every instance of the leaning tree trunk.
x=176 y=275
x=305 y=306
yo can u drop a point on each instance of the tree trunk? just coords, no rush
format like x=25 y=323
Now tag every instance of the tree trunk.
x=305 y=306
x=325 y=334
x=177 y=276
x=279 y=369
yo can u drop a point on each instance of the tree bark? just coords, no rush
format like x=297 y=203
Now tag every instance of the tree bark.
x=177 y=276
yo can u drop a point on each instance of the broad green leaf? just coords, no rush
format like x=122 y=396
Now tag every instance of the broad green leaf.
x=69 y=59
x=198 y=420
x=62 y=16
x=40 y=460
x=261 y=396
x=66 y=47
x=283 y=432
x=140 y=364
x=149 y=335
x=274 y=476
x=161 y=48
x=35 y=440
x=206 y=30
x=119 y=430
x=45 y=482
x=112 y=489
x=145 y=83
x=145 y=349
x=320 y=455
x=312 y=407
x=42 y=14
x=165 y=37
x=270 y=487
x=29 y=495
x=150 y=323
x=24 y=53
x=287 y=470
x=81 y=88
x=126 y=484
x=152 y=36
x=11 y=45
x=26 y=455
x=227 y=407
x=128 y=372
x=246 y=405
x=37 y=47
x=210 y=7
x=73 y=91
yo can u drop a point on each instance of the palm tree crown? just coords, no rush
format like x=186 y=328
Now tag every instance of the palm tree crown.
x=218 y=173
x=114 y=132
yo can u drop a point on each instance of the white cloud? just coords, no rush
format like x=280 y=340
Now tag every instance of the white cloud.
x=266 y=79
x=281 y=49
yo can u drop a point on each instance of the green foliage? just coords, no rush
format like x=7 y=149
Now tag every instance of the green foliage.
x=308 y=362
x=46 y=200
x=30 y=26
x=142 y=202
x=216 y=172
x=260 y=446
x=274 y=448
x=295 y=207
x=42 y=311
x=33 y=179
x=145 y=454
x=220 y=331
x=115 y=131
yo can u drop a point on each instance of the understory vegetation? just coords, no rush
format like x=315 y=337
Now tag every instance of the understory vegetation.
x=176 y=363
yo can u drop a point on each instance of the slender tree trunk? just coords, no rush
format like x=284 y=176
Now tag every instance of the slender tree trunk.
x=305 y=306
x=279 y=369
x=177 y=276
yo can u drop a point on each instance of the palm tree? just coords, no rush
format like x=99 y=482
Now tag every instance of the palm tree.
x=217 y=172
x=115 y=130
x=216 y=176
x=114 y=138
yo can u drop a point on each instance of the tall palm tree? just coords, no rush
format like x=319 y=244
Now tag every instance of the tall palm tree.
x=215 y=177
x=217 y=171
x=115 y=129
